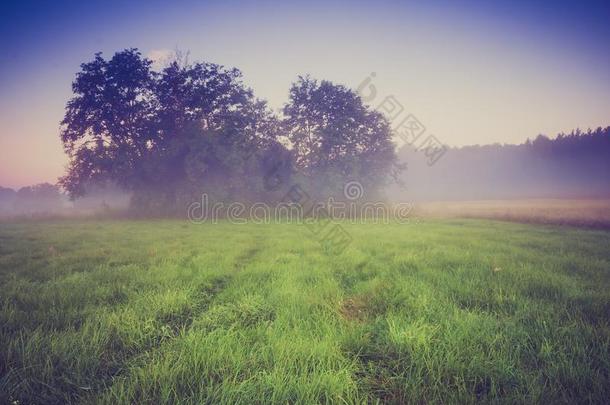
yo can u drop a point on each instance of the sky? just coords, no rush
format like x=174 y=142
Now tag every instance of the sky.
x=472 y=72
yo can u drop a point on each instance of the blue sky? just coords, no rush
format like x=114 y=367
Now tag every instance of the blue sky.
x=472 y=72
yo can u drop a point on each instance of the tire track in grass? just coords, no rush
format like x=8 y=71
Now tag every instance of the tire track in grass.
x=363 y=311
x=205 y=295
x=118 y=356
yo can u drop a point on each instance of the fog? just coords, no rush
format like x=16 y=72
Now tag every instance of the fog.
x=571 y=166
x=47 y=200
x=574 y=166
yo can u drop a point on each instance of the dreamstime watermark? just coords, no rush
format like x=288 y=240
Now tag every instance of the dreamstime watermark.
x=408 y=128
x=332 y=236
x=353 y=190
x=297 y=206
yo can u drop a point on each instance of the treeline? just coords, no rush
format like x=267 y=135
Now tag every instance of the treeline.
x=164 y=138
x=39 y=198
x=574 y=165
x=49 y=200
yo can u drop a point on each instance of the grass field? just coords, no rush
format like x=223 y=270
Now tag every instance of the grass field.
x=591 y=213
x=439 y=311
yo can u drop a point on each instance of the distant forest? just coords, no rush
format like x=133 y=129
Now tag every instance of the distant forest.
x=575 y=165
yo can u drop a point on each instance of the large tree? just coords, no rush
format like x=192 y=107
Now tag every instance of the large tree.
x=187 y=129
x=212 y=130
x=336 y=138
x=108 y=125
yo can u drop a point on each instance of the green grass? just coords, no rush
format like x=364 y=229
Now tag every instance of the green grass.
x=160 y=312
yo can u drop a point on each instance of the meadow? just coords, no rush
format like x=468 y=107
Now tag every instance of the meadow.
x=590 y=213
x=443 y=310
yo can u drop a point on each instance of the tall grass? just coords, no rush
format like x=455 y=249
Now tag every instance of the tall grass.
x=442 y=311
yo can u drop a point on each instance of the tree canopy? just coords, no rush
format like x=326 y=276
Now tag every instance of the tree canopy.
x=195 y=127
x=335 y=137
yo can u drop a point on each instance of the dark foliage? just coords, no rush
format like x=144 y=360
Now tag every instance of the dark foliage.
x=336 y=138
x=165 y=136
x=169 y=136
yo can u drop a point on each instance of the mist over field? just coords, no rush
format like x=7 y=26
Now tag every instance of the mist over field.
x=535 y=180
x=572 y=166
